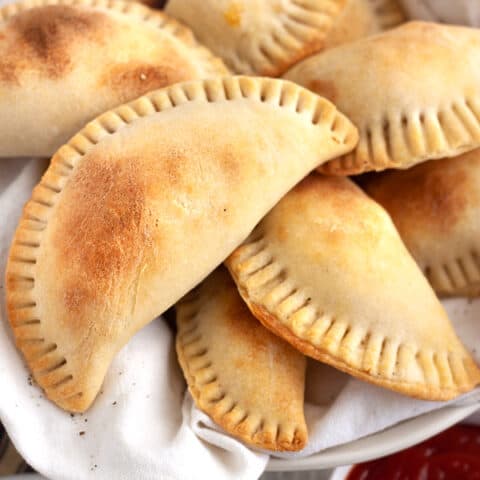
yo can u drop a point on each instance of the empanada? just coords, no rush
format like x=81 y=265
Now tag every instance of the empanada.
x=263 y=38
x=327 y=271
x=248 y=380
x=413 y=92
x=63 y=62
x=268 y=37
x=142 y=204
x=436 y=208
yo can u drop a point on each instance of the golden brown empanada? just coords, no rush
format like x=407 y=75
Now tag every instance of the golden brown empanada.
x=436 y=208
x=248 y=380
x=263 y=38
x=63 y=62
x=269 y=37
x=142 y=204
x=327 y=271
x=413 y=92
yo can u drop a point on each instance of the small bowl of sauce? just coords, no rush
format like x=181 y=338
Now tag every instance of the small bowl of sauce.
x=451 y=455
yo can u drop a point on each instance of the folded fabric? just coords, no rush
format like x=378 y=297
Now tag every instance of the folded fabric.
x=461 y=12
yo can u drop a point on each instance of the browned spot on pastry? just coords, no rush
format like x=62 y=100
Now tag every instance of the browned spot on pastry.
x=308 y=184
x=75 y=297
x=132 y=79
x=173 y=164
x=233 y=14
x=172 y=173
x=324 y=88
x=8 y=72
x=101 y=237
x=43 y=39
x=230 y=166
x=426 y=195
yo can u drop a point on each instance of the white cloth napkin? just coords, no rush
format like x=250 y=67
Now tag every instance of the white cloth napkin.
x=461 y=12
x=143 y=426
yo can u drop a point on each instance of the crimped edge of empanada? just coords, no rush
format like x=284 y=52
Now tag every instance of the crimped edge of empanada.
x=154 y=18
x=389 y=13
x=300 y=31
x=291 y=313
x=48 y=365
x=402 y=140
x=459 y=276
x=209 y=396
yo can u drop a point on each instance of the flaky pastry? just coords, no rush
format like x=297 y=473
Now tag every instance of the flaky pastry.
x=268 y=37
x=247 y=379
x=413 y=92
x=144 y=203
x=63 y=62
x=327 y=271
x=261 y=38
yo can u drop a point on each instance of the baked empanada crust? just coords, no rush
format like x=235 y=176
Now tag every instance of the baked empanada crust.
x=144 y=203
x=406 y=90
x=260 y=38
x=63 y=62
x=327 y=271
x=247 y=379
x=269 y=37
x=436 y=209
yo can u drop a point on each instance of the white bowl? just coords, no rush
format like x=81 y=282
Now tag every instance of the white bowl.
x=391 y=440
x=341 y=473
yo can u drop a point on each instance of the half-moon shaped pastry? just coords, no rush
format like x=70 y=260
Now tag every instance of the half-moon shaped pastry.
x=413 y=92
x=247 y=379
x=436 y=208
x=63 y=62
x=269 y=37
x=327 y=271
x=144 y=203
x=263 y=38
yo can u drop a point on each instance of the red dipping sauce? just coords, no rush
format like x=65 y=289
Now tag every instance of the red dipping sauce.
x=451 y=455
